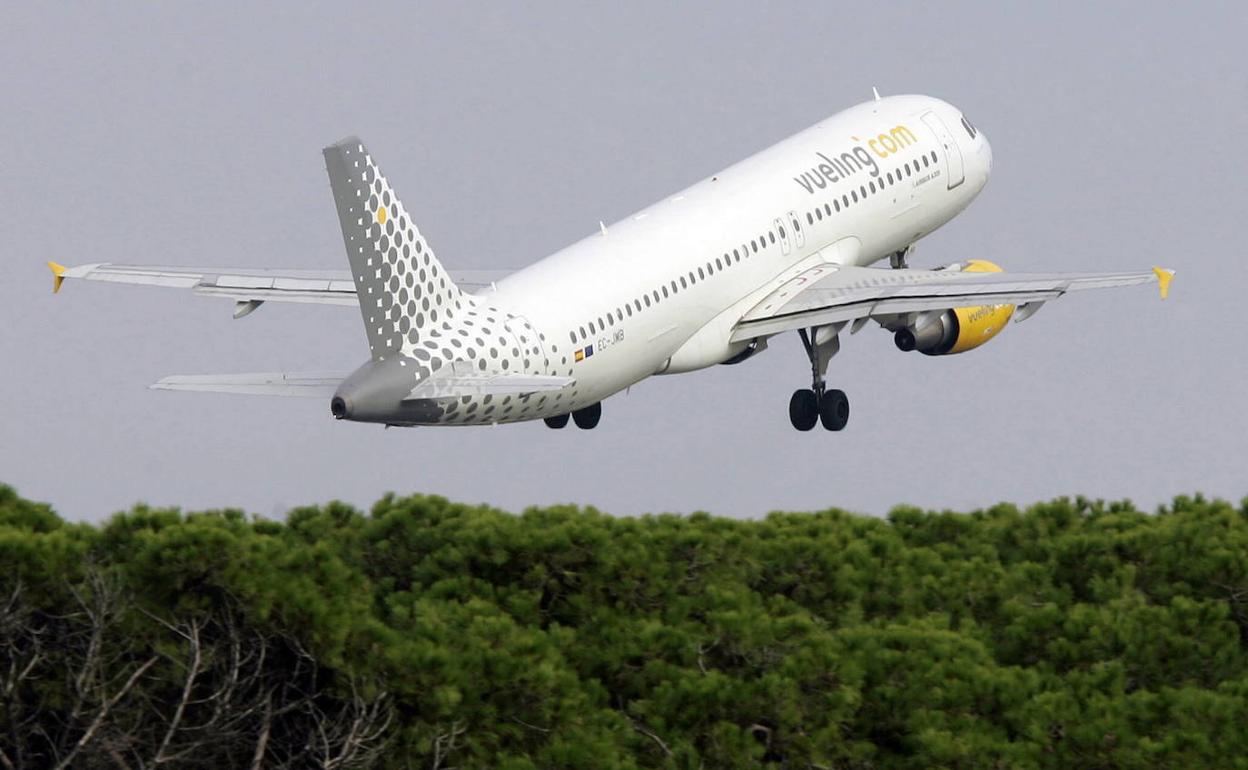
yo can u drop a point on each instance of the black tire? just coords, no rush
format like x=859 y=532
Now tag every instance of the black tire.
x=803 y=409
x=834 y=409
x=556 y=422
x=587 y=418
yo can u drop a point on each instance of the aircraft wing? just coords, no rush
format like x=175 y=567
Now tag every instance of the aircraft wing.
x=249 y=287
x=307 y=385
x=831 y=294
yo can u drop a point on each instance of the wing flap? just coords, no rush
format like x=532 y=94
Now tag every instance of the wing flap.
x=305 y=385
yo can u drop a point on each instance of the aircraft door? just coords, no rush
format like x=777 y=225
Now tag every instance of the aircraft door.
x=799 y=237
x=783 y=232
x=952 y=152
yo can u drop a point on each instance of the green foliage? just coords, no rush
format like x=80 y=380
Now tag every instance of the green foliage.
x=1077 y=633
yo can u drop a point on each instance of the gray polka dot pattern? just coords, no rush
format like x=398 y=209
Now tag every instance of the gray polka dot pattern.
x=413 y=310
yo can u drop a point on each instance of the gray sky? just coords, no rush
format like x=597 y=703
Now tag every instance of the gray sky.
x=153 y=134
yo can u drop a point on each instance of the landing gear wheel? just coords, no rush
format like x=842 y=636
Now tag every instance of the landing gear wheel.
x=834 y=409
x=587 y=418
x=803 y=409
x=556 y=422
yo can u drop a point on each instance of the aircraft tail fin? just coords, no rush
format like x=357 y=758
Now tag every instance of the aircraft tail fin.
x=402 y=287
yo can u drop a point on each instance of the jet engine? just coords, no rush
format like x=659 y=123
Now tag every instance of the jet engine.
x=957 y=330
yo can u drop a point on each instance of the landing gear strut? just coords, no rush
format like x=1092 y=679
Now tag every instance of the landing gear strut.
x=900 y=260
x=819 y=404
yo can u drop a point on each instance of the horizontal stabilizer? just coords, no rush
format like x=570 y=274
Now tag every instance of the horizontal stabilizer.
x=307 y=385
x=462 y=379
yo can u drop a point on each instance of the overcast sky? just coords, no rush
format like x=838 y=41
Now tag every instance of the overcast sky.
x=157 y=134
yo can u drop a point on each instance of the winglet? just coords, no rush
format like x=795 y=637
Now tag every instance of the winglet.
x=58 y=276
x=1164 y=277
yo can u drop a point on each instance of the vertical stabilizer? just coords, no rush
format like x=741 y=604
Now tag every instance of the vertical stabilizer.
x=401 y=285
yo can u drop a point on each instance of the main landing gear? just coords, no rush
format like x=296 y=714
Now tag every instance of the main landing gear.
x=585 y=419
x=819 y=404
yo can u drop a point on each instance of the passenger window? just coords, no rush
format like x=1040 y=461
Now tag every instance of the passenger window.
x=925 y=162
x=754 y=246
x=701 y=274
x=736 y=254
x=647 y=300
x=683 y=283
x=855 y=194
x=819 y=212
x=773 y=238
x=572 y=336
x=836 y=205
x=772 y=235
x=845 y=201
x=809 y=219
x=718 y=265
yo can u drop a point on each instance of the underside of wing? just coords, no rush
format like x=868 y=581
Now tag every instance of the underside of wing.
x=831 y=294
x=306 y=385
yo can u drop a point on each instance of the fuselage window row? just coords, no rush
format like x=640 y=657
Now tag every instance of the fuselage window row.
x=762 y=242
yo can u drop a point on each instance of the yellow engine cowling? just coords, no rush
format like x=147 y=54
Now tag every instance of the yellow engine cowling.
x=959 y=329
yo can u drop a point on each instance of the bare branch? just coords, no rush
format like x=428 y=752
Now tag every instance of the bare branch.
x=102 y=714
x=192 y=671
x=262 y=743
x=652 y=736
x=445 y=743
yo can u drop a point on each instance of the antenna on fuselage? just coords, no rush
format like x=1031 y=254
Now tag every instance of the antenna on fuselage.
x=876 y=92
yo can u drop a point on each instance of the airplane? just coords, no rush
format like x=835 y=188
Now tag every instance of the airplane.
x=783 y=241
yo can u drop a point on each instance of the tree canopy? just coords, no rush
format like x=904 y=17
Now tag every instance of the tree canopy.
x=430 y=634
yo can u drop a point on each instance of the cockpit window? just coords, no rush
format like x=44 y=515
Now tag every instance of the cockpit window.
x=969 y=128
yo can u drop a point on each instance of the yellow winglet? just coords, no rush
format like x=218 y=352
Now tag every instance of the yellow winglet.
x=58 y=276
x=1164 y=277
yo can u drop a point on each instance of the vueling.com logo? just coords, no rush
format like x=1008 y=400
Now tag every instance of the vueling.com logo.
x=835 y=168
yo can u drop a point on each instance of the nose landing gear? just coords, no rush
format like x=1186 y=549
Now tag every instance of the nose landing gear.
x=819 y=404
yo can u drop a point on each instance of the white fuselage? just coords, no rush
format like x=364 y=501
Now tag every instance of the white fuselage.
x=659 y=291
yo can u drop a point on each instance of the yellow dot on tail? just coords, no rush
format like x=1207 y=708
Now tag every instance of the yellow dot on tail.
x=381 y=215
